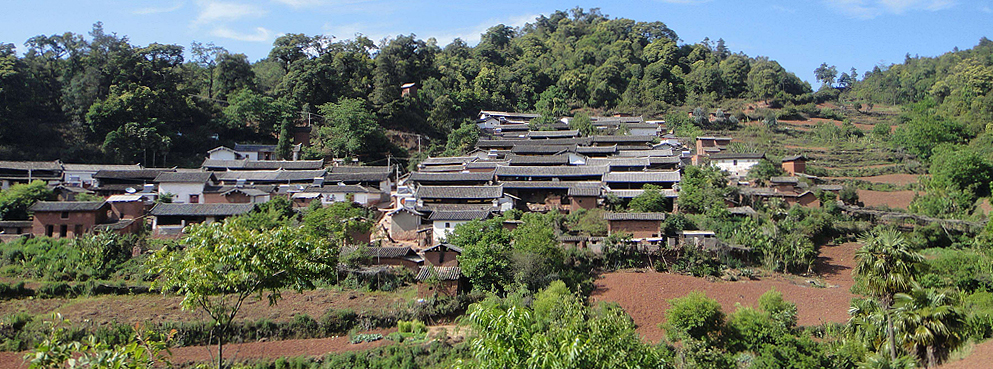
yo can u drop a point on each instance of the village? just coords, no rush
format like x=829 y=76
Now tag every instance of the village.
x=512 y=167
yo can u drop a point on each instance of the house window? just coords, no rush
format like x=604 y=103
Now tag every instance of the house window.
x=64 y=215
x=448 y=225
x=735 y=162
x=194 y=199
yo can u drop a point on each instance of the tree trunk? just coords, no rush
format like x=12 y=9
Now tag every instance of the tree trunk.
x=220 y=352
x=889 y=336
x=932 y=359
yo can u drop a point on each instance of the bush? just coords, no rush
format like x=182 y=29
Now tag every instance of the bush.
x=13 y=292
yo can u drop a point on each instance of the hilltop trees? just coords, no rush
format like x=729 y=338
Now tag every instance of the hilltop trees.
x=555 y=64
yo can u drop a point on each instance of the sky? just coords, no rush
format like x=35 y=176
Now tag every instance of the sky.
x=799 y=34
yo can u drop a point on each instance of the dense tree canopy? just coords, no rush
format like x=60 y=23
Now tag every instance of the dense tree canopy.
x=100 y=96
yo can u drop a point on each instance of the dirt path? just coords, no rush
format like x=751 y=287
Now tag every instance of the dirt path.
x=980 y=358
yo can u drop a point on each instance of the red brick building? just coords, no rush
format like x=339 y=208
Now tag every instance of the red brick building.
x=63 y=219
x=795 y=164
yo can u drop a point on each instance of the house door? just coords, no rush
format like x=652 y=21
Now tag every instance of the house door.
x=63 y=229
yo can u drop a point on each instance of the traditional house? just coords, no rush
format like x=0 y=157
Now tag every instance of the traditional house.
x=15 y=227
x=542 y=173
x=238 y=194
x=185 y=187
x=256 y=151
x=405 y=223
x=270 y=177
x=442 y=255
x=451 y=179
x=640 y=226
x=638 y=180
x=369 y=176
x=115 y=182
x=245 y=164
x=445 y=221
x=434 y=280
x=736 y=164
x=399 y=256
x=169 y=219
x=340 y=193
x=565 y=196
x=706 y=146
x=62 y=219
x=479 y=197
x=795 y=164
x=408 y=90
x=21 y=172
x=81 y=175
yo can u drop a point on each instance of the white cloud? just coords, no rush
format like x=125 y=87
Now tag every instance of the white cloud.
x=317 y=3
x=215 y=11
x=154 y=10
x=868 y=9
x=260 y=35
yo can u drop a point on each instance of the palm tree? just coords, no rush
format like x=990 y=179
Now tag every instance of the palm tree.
x=885 y=266
x=929 y=323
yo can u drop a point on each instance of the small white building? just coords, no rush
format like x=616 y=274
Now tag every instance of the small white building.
x=185 y=187
x=445 y=221
x=736 y=164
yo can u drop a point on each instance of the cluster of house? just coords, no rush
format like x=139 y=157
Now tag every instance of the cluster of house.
x=512 y=167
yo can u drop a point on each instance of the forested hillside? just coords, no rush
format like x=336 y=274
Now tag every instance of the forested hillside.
x=101 y=98
x=946 y=120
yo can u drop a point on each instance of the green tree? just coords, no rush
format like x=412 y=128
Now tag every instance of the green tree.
x=15 y=201
x=702 y=189
x=826 y=74
x=351 y=131
x=650 y=201
x=223 y=265
x=486 y=251
x=143 y=350
x=765 y=170
x=582 y=123
x=694 y=316
x=930 y=324
x=884 y=266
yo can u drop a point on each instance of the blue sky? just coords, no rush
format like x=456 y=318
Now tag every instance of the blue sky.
x=799 y=34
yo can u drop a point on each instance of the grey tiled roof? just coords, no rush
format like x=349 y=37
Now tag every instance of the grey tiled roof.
x=537 y=148
x=619 y=161
x=645 y=153
x=269 y=175
x=634 y=216
x=459 y=192
x=585 y=190
x=449 y=273
x=588 y=150
x=263 y=164
x=166 y=209
x=459 y=214
x=539 y=171
x=140 y=174
x=31 y=165
x=791 y=180
x=624 y=139
x=184 y=177
x=359 y=169
x=641 y=177
x=69 y=206
x=448 y=160
x=553 y=134
x=737 y=155
x=451 y=177
x=795 y=157
x=388 y=252
x=254 y=147
x=99 y=167
x=559 y=159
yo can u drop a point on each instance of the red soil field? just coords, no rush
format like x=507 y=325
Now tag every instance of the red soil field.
x=980 y=358
x=894 y=199
x=645 y=295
